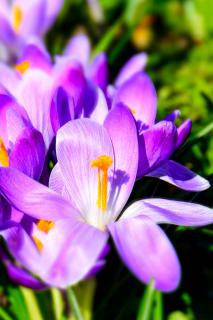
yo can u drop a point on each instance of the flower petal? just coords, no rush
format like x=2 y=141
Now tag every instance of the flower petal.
x=9 y=78
x=36 y=57
x=13 y=118
x=75 y=150
x=56 y=182
x=32 y=198
x=78 y=48
x=33 y=13
x=183 y=131
x=62 y=109
x=69 y=74
x=21 y=246
x=169 y=211
x=138 y=93
x=24 y=278
x=147 y=252
x=95 y=106
x=7 y=34
x=98 y=71
x=134 y=65
x=180 y=176
x=35 y=94
x=121 y=127
x=156 y=145
x=28 y=154
x=51 y=13
x=70 y=252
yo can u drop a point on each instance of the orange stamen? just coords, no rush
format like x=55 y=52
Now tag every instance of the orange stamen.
x=22 y=67
x=45 y=225
x=38 y=243
x=17 y=17
x=4 y=158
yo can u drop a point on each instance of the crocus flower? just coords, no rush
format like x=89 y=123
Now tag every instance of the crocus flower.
x=22 y=21
x=80 y=97
x=96 y=170
x=21 y=147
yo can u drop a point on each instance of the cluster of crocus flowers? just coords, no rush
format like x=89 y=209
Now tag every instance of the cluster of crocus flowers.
x=72 y=147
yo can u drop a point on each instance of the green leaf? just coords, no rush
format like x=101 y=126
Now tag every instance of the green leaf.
x=58 y=304
x=17 y=304
x=146 y=303
x=4 y=315
x=31 y=304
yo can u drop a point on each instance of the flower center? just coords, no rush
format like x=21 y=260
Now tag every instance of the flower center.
x=44 y=226
x=4 y=158
x=23 y=66
x=17 y=17
x=102 y=163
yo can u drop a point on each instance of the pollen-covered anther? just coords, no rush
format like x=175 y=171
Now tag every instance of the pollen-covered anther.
x=38 y=243
x=102 y=163
x=17 y=17
x=4 y=157
x=22 y=67
x=45 y=225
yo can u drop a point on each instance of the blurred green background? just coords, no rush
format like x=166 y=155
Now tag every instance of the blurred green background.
x=178 y=37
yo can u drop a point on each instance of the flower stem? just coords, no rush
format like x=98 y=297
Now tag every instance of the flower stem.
x=158 y=310
x=146 y=303
x=58 y=304
x=74 y=304
x=31 y=303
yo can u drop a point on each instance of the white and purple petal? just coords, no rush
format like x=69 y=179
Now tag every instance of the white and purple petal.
x=28 y=153
x=180 y=176
x=156 y=145
x=70 y=251
x=134 y=65
x=121 y=127
x=170 y=211
x=75 y=150
x=147 y=252
x=139 y=95
x=33 y=198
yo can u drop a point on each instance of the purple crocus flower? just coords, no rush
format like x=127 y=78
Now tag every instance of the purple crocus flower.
x=67 y=93
x=21 y=147
x=23 y=21
x=96 y=170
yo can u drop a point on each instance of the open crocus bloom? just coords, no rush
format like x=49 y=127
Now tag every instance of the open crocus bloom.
x=95 y=174
x=22 y=21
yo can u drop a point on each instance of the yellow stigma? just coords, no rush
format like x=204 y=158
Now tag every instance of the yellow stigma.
x=17 y=17
x=45 y=225
x=22 y=67
x=102 y=163
x=38 y=243
x=4 y=158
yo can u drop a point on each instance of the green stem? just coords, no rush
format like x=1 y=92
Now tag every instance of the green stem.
x=58 y=305
x=74 y=304
x=158 y=310
x=31 y=304
x=145 y=307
